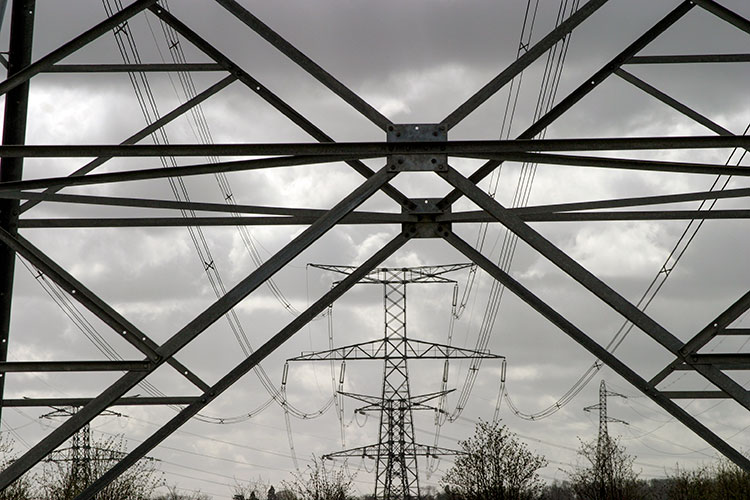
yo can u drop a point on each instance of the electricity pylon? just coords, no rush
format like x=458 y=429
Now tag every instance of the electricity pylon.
x=79 y=454
x=396 y=475
x=604 y=447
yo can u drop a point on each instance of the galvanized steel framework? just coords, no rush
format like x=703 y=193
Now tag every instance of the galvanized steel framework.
x=604 y=464
x=407 y=148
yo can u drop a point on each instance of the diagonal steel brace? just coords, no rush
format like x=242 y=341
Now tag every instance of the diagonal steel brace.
x=92 y=302
x=72 y=46
x=265 y=94
x=195 y=327
x=584 y=89
x=592 y=283
x=594 y=348
x=246 y=365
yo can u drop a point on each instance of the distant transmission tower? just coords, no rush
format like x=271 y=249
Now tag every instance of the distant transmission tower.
x=396 y=475
x=604 y=466
x=79 y=454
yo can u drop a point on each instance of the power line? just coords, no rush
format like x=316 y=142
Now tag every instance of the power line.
x=662 y=275
x=147 y=101
x=232 y=443
x=202 y=455
x=545 y=99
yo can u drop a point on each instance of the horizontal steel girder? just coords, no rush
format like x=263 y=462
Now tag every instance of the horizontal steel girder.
x=526 y=213
x=379 y=149
x=129 y=68
x=690 y=59
x=125 y=401
x=367 y=219
x=73 y=366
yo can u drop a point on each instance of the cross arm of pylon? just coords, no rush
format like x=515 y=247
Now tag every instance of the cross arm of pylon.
x=371 y=451
x=418 y=274
x=412 y=349
x=425 y=349
x=374 y=349
x=379 y=407
x=414 y=402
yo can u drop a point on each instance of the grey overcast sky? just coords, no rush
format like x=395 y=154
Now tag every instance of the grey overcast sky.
x=415 y=62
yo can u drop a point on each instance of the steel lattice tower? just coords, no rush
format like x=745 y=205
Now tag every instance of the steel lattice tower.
x=78 y=453
x=396 y=451
x=396 y=474
x=604 y=466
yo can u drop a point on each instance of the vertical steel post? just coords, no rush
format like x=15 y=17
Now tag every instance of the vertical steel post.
x=604 y=467
x=396 y=476
x=14 y=132
x=3 y=5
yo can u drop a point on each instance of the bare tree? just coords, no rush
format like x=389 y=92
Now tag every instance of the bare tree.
x=271 y=495
x=173 y=493
x=495 y=466
x=66 y=475
x=607 y=473
x=319 y=482
x=285 y=494
x=20 y=489
x=251 y=490
x=717 y=481
x=558 y=491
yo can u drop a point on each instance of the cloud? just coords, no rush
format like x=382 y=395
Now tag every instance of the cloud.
x=370 y=245
x=632 y=250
